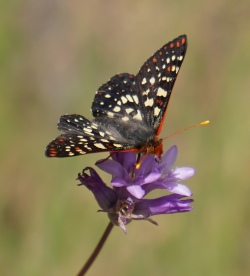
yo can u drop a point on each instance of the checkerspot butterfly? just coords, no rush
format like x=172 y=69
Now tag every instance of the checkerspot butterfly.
x=128 y=110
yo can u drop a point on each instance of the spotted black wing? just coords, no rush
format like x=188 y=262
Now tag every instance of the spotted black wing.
x=156 y=79
x=82 y=136
x=117 y=98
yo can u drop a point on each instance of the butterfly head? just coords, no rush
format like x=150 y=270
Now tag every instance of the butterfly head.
x=154 y=146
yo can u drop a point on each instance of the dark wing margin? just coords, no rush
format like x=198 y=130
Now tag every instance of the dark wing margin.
x=156 y=79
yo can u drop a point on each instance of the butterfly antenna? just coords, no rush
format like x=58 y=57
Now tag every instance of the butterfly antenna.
x=200 y=124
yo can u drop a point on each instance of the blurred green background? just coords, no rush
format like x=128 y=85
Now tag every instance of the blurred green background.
x=53 y=57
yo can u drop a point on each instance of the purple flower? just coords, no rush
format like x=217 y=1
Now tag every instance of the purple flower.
x=124 y=202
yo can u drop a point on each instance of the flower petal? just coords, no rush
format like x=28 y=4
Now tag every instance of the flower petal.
x=118 y=182
x=168 y=160
x=136 y=191
x=182 y=173
x=178 y=189
x=105 y=196
x=126 y=159
x=112 y=167
x=147 y=165
x=163 y=205
x=151 y=177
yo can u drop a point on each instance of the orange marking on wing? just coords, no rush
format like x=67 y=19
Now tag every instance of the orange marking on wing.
x=119 y=76
x=165 y=48
x=183 y=40
x=52 y=155
x=130 y=76
x=172 y=45
x=168 y=68
x=159 y=102
x=108 y=146
x=61 y=140
x=160 y=53
x=135 y=150
x=178 y=44
x=77 y=148
x=154 y=59
x=146 y=64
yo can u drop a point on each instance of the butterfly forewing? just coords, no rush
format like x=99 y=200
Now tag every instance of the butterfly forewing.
x=156 y=79
x=118 y=97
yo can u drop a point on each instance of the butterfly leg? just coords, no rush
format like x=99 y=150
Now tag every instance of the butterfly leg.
x=100 y=161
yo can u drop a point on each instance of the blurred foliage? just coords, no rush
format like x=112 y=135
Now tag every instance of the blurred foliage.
x=53 y=57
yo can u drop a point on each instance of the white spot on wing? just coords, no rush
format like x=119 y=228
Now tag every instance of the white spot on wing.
x=104 y=140
x=180 y=58
x=173 y=68
x=161 y=92
x=168 y=60
x=125 y=118
x=117 y=109
x=156 y=111
x=173 y=57
x=107 y=96
x=76 y=120
x=124 y=99
x=129 y=110
x=100 y=146
x=146 y=92
x=136 y=99
x=144 y=81
x=149 y=102
x=102 y=133
x=152 y=80
x=110 y=114
x=118 y=145
x=87 y=130
x=138 y=116
x=129 y=98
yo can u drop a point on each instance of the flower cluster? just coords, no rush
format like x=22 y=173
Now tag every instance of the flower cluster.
x=125 y=201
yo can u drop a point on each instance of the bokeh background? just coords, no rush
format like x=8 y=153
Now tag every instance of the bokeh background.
x=53 y=57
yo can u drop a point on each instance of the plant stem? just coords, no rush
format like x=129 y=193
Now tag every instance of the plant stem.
x=97 y=250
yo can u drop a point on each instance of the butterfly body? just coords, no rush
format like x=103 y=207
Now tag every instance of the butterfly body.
x=128 y=110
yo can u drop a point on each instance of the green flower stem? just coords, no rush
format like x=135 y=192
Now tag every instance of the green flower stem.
x=96 y=251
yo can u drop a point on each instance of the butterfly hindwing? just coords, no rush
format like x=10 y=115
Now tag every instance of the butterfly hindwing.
x=82 y=136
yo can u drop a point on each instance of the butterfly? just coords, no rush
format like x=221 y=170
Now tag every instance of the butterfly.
x=128 y=110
